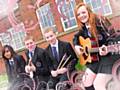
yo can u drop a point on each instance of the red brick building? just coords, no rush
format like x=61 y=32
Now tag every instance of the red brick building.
x=33 y=16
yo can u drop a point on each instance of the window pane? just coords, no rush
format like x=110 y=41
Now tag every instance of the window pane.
x=67 y=9
x=13 y=37
x=100 y=6
x=45 y=17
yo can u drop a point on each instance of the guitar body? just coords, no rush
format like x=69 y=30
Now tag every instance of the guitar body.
x=87 y=45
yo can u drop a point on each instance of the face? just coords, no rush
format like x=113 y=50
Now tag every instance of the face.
x=30 y=44
x=82 y=14
x=50 y=37
x=7 y=53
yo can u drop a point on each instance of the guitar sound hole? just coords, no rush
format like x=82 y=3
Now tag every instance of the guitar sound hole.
x=85 y=56
x=86 y=51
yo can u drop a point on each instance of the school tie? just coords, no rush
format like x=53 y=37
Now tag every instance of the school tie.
x=11 y=63
x=55 y=53
x=30 y=55
x=11 y=66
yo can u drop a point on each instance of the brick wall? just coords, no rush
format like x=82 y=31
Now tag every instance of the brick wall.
x=28 y=14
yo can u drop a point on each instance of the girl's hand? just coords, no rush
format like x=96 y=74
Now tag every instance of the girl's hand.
x=103 y=50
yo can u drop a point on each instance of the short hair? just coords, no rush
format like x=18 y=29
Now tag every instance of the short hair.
x=48 y=30
x=28 y=38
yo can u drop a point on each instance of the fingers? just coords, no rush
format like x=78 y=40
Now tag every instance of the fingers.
x=54 y=73
x=58 y=71
x=33 y=68
x=79 y=49
x=62 y=70
x=27 y=69
x=30 y=67
x=103 y=50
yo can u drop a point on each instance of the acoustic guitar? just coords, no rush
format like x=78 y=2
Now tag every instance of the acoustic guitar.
x=90 y=50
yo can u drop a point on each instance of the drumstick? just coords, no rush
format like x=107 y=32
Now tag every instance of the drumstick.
x=61 y=61
x=66 y=61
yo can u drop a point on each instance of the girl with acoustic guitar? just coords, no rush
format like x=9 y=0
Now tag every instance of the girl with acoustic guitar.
x=94 y=30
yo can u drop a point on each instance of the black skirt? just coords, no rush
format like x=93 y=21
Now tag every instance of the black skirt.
x=104 y=65
x=93 y=66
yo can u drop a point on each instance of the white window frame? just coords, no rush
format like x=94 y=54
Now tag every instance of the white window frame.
x=93 y=9
x=8 y=38
x=42 y=14
x=63 y=21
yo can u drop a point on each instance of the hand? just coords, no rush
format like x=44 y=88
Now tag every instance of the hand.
x=54 y=73
x=79 y=50
x=103 y=50
x=62 y=70
x=27 y=69
x=32 y=67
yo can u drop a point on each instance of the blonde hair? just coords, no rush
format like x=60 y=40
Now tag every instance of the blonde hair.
x=91 y=19
x=28 y=38
x=48 y=30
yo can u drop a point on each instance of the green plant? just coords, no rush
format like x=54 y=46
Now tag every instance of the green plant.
x=80 y=67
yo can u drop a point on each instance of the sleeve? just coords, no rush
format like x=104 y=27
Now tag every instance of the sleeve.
x=73 y=58
x=21 y=64
x=107 y=26
x=27 y=57
x=7 y=70
x=49 y=61
x=76 y=39
x=46 y=65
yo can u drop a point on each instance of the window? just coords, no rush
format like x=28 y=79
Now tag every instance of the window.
x=13 y=37
x=45 y=17
x=66 y=7
x=100 y=6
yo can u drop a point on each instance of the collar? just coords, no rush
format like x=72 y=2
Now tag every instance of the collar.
x=55 y=45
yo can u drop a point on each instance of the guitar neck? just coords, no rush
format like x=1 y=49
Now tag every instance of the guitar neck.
x=94 y=50
x=115 y=48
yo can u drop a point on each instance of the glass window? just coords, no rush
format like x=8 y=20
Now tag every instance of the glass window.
x=100 y=6
x=45 y=17
x=66 y=9
x=13 y=37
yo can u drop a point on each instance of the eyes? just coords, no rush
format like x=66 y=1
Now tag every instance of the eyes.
x=30 y=43
x=6 y=51
x=49 y=36
x=80 y=13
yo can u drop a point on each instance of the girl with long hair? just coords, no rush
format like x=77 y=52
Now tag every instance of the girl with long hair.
x=97 y=29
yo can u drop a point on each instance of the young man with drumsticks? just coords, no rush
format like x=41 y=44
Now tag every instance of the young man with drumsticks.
x=38 y=61
x=62 y=54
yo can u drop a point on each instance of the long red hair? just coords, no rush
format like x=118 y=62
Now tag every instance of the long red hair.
x=91 y=19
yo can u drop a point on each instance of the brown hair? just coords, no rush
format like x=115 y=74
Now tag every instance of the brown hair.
x=91 y=19
x=13 y=53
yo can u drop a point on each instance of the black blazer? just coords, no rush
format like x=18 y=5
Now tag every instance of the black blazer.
x=63 y=47
x=19 y=67
x=42 y=62
x=103 y=31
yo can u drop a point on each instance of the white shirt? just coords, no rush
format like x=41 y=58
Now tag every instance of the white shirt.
x=11 y=61
x=55 y=45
